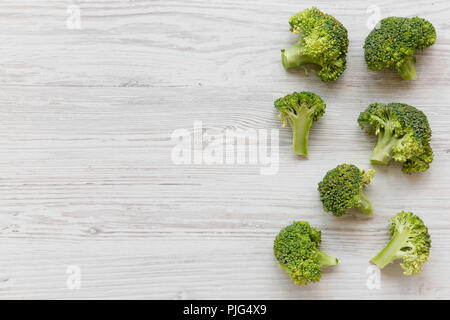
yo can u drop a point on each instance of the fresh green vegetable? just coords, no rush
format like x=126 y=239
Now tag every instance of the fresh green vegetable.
x=342 y=189
x=403 y=135
x=410 y=242
x=394 y=41
x=323 y=41
x=296 y=249
x=300 y=110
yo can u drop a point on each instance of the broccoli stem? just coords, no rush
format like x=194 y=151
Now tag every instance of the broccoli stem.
x=294 y=58
x=382 y=152
x=365 y=205
x=325 y=260
x=393 y=249
x=407 y=69
x=300 y=131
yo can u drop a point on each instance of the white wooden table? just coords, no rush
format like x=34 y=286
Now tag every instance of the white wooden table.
x=86 y=176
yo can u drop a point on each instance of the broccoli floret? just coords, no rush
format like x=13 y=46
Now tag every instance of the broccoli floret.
x=394 y=41
x=403 y=135
x=296 y=249
x=300 y=110
x=323 y=41
x=410 y=242
x=342 y=189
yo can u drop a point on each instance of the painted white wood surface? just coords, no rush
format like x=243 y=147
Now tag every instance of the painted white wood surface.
x=86 y=176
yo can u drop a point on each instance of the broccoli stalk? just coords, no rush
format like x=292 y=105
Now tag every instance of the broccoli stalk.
x=300 y=124
x=300 y=110
x=382 y=152
x=410 y=242
x=323 y=261
x=393 y=249
x=364 y=205
x=326 y=260
x=294 y=57
x=407 y=69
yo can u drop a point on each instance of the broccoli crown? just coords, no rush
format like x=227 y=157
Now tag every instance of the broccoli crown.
x=290 y=106
x=342 y=189
x=296 y=250
x=410 y=242
x=394 y=42
x=404 y=134
x=323 y=41
x=300 y=109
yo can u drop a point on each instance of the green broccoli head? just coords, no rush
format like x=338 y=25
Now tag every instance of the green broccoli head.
x=300 y=109
x=403 y=135
x=394 y=41
x=296 y=250
x=410 y=242
x=342 y=189
x=323 y=41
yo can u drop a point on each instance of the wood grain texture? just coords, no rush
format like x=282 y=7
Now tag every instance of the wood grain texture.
x=86 y=176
